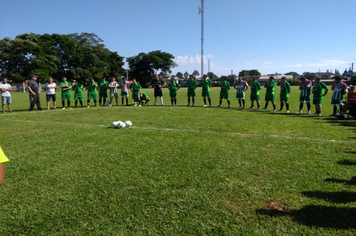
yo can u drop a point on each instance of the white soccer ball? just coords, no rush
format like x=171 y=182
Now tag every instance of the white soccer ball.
x=121 y=125
x=114 y=124
x=128 y=123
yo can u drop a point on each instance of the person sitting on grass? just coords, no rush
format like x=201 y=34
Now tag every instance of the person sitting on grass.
x=351 y=98
x=144 y=97
x=135 y=88
x=3 y=159
x=173 y=86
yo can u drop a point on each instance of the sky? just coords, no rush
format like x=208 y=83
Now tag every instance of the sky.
x=272 y=36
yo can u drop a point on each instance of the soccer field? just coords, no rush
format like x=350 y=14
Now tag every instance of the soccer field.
x=178 y=170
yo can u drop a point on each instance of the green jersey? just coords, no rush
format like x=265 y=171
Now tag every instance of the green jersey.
x=78 y=90
x=191 y=84
x=255 y=88
x=285 y=89
x=135 y=87
x=103 y=86
x=173 y=86
x=225 y=86
x=65 y=83
x=319 y=89
x=91 y=87
x=144 y=96
x=205 y=84
x=271 y=88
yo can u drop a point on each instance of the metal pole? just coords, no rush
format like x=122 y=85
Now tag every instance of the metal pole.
x=202 y=37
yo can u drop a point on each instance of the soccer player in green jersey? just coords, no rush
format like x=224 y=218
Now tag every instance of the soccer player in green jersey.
x=271 y=86
x=224 y=91
x=206 y=84
x=78 y=93
x=319 y=91
x=173 y=86
x=92 y=86
x=144 y=97
x=191 y=84
x=135 y=88
x=304 y=87
x=103 y=91
x=255 y=93
x=65 y=86
x=284 y=95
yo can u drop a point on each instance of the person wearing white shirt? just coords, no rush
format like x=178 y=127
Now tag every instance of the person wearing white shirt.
x=50 y=88
x=5 y=89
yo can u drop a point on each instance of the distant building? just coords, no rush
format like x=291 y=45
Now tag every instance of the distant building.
x=325 y=75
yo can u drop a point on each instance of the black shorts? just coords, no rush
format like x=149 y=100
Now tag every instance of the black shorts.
x=49 y=96
x=158 y=93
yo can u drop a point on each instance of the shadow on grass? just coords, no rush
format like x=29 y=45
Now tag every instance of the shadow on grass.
x=319 y=216
x=335 y=197
x=352 y=181
x=347 y=162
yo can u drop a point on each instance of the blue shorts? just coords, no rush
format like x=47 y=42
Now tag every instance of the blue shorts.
x=6 y=99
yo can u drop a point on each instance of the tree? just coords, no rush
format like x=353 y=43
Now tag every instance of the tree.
x=248 y=74
x=186 y=75
x=309 y=75
x=144 y=66
x=295 y=74
x=179 y=75
x=195 y=73
x=212 y=76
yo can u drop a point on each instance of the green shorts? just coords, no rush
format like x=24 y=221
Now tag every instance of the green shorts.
x=304 y=99
x=336 y=102
x=103 y=94
x=124 y=94
x=240 y=95
x=224 y=96
x=191 y=93
x=66 y=96
x=205 y=93
x=78 y=98
x=254 y=97
x=284 y=99
x=136 y=95
x=92 y=96
x=173 y=94
x=317 y=100
x=269 y=97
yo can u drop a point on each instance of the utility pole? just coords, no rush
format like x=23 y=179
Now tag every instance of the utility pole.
x=208 y=65
x=201 y=11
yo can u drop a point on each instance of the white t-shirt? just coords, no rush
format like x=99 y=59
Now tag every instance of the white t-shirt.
x=6 y=93
x=50 y=88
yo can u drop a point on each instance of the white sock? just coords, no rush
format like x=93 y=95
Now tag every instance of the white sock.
x=155 y=100
x=161 y=100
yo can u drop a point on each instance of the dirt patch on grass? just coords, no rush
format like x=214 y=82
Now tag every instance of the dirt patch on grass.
x=275 y=207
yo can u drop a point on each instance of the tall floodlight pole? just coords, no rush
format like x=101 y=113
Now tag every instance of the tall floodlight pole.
x=201 y=11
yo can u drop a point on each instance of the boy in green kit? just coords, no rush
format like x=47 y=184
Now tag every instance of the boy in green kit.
x=319 y=91
x=173 y=86
x=224 y=91
x=103 y=90
x=135 y=88
x=255 y=93
x=284 y=95
x=92 y=86
x=205 y=85
x=191 y=84
x=78 y=93
x=65 y=86
x=271 y=86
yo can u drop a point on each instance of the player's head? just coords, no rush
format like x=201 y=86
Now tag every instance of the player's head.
x=91 y=79
x=34 y=77
x=64 y=79
x=240 y=78
x=50 y=80
x=123 y=78
x=253 y=78
x=113 y=79
x=80 y=82
x=205 y=76
x=302 y=78
x=134 y=80
x=283 y=79
x=103 y=79
x=351 y=89
x=4 y=80
x=271 y=78
x=191 y=77
x=172 y=79
x=157 y=76
x=148 y=99
x=317 y=79
x=223 y=78
x=337 y=78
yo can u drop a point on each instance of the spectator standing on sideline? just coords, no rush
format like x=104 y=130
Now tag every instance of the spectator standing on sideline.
x=224 y=92
x=271 y=87
x=191 y=84
x=3 y=159
x=103 y=90
x=50 y=88
x=5 y=89
x=65 y=86
x=34 y=91
x=206 y=85
x=241 y=87
x=284 y=95
x=124 y=91
x=255 y=93
x=319 y=91
x=157 y=84
x=113 y=91
x=339 y=89
x=304 y=87
x=173 y=86
x=92 y=86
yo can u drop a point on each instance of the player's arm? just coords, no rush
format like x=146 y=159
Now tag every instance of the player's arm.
x=235 y=85
x=326 y=92
x=2 y=173
x=246 y=86
x=9 y=89
x=31 y=91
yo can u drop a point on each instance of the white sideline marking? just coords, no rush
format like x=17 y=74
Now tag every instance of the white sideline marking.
x=195 y=131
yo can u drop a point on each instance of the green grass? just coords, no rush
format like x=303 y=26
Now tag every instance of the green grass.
x=177 y=171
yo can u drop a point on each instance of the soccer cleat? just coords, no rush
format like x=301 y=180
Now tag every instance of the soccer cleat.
x=219 y=105
x=228 y=106
x=135 y=105
x=251 y=107
x=10 y=111
x=4 y=112
x=287 y=111
x=299 y=112
x=319 y=114
x=274 y=110
x=193 y=105
x=87 y=106
x=188 y=105
x=204 y=105
x=63 y=108
x=210 y=106
x=308 y=113
x=171 y=105
x=175 y=105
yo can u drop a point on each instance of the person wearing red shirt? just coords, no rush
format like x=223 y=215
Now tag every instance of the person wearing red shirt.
x=351 y=98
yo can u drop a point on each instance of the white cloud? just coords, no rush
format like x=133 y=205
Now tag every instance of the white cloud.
x=267 y=62
x=191 y=60
x=327 y=63
x=292 y=66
